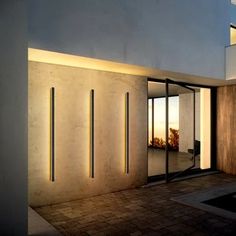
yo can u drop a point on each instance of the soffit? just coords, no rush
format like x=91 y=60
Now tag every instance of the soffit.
x=97 y=64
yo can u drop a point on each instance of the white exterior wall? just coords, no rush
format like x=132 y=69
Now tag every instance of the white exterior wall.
x=233 y=14
x=186 y=36
x=13 y=118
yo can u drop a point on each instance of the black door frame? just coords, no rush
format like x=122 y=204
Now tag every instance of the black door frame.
x=170 y=176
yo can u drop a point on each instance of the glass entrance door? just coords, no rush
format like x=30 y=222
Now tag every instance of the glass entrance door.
x=181 y=147
x=180 y=129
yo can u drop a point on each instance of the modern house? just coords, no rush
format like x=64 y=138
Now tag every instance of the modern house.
x=93 y=91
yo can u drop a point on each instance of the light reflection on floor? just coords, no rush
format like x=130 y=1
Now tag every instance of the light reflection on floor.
x=178 y=161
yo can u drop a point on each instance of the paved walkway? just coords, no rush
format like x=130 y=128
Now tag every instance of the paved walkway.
x=39 y=226
x=142 y=211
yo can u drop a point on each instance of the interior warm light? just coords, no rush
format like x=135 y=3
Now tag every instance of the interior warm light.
x=205 y=130
x=56 y=58
x=52 y=134
x=232 y=35
x=50 y=57
x=127 y=133
x=92 y=134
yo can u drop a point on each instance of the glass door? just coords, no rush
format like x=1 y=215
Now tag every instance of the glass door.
x=180 y=129
x=181 y=147
x=156 y=130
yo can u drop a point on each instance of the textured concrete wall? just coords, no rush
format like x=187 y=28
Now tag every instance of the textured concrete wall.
x=185 y=36
x=73 y=87
x=13 y=118
x=186 y=120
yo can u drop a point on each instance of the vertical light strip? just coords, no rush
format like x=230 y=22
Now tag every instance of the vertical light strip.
x=92 y=134
x=52 y=134
x=127 y=133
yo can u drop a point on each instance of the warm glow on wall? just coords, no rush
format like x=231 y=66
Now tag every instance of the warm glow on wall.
x=205 y=132
x=232 y=35
x=50 y=57
x=73 y=129
x=88 y=63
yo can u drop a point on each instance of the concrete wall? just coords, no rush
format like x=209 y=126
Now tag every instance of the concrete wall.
x=186 y=120
x=73 y=87
x=13 y=118
x=185 y=36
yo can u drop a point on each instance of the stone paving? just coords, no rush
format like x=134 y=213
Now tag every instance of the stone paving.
x=141 y=211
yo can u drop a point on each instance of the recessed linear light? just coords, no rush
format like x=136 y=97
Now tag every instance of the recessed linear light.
x=92 y=133
x=52 y=134
x=127 y=133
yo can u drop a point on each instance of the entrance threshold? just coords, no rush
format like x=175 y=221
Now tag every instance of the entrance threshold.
x=190 y=176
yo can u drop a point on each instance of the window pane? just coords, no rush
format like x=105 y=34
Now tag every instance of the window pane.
x=159 y=118
x=232 y=35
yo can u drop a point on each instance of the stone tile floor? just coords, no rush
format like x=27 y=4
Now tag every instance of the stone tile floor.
x=141 y=211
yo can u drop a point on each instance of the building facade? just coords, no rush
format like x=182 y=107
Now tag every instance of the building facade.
x=90 y=135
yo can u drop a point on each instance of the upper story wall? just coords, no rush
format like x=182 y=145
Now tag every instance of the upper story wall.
x=233 y=13
x=185 y=36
